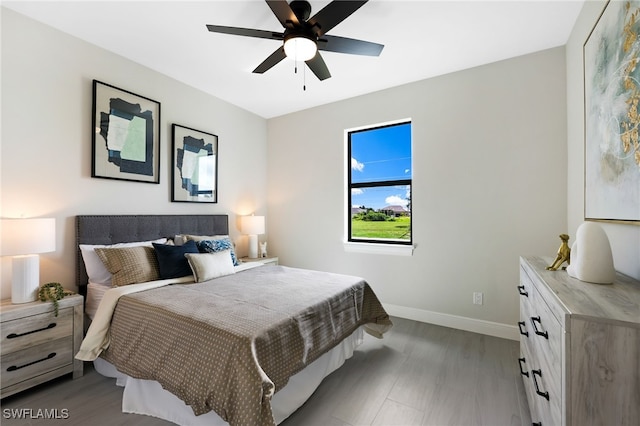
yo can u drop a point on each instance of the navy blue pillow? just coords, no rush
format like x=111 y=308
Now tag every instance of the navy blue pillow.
x=172 y=260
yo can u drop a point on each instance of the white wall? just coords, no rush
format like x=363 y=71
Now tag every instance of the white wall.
x=624 y=238
x=494 y=177
x=46 y=140
x=489 y=185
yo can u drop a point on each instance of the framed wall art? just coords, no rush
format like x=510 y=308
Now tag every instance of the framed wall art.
x=612 y=117
x=194 y=165
x=126 y=135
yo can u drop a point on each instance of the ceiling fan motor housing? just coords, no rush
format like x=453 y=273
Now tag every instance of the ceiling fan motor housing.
x=300 y=32
x=301 y=8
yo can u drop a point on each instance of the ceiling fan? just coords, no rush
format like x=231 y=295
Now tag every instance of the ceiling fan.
x=303 y=37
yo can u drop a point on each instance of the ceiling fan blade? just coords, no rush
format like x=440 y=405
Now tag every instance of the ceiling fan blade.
x=283 y=12
x=272 y=60
x=332 y=14
x=319 y=68
x=248 y=32
x=352 y=46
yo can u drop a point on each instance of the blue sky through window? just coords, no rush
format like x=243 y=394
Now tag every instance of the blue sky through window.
x=381 y=154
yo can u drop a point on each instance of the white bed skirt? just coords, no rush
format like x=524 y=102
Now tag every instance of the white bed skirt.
x=149 y=398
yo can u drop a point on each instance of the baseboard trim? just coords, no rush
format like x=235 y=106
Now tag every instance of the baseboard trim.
x=453 y=321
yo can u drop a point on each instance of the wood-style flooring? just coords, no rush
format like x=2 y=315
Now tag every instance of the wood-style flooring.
x=419 y=374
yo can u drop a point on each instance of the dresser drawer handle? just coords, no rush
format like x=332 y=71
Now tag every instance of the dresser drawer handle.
x=520 y=325
x=538 y=332
x=521 y=361
x=14 y=335
x=522 y=291
x=535 y=373
x=18 y=367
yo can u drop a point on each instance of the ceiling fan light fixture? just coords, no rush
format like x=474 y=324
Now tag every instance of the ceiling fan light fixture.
x=300 y=48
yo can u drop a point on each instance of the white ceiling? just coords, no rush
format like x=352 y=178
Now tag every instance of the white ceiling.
x=422 y=39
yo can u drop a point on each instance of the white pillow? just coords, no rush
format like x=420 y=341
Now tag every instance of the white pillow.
x=207 y=266
x=96 y=270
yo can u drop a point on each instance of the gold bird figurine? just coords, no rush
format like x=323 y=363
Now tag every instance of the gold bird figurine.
x=563 y=255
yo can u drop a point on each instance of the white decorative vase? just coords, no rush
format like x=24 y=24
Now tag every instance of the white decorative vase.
x=591 y=257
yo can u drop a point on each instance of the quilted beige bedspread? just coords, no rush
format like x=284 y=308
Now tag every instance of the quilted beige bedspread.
x=228 y=344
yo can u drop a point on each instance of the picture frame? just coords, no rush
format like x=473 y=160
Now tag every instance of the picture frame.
x=125 y=135
x=612 y=116
x=194 y=165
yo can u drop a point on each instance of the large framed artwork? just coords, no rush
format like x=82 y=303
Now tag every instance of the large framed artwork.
x=126 y=135
x=612 y=117
x=195 y=165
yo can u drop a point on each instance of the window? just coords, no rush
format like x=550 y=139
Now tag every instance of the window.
x=379 y=184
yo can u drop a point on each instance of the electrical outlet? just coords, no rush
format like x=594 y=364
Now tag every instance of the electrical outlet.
x=477 y=298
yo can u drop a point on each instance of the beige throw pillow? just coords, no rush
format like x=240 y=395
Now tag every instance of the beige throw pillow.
x=130 y=265
x=207 y=266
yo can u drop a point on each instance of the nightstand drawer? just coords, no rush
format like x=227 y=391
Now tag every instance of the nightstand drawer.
x=34 y=330
x=35 y=360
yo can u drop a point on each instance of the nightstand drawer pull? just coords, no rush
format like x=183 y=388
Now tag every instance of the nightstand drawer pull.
x=522 y=361
x=535 y=383
x=520 y=325
x=522 y=291
x=538 y=332
x=14 y=335
x=16 y=367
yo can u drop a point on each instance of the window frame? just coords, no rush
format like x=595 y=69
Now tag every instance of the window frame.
x=374 y=245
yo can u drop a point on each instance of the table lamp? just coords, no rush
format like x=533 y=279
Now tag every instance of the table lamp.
x=252 y=226
x=24 y=239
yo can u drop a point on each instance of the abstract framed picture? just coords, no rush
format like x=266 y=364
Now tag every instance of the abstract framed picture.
x=126 y=135
x=194 y=165
x=612 y=117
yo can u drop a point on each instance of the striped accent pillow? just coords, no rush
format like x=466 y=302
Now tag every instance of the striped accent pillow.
x=130 y=265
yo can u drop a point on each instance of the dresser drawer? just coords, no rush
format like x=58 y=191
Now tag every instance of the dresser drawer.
x=35 y=360
x=36 y=329
x=546 y=365
x=545 y=334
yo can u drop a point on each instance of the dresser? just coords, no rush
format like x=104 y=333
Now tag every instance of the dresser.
x=579 y=347
x=37 y=346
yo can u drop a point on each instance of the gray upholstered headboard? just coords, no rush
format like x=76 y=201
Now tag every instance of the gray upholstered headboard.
x=112 y=229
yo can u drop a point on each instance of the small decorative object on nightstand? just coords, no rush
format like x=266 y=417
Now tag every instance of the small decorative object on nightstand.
x=37 y=346
x=263 y=260
x=52 y=292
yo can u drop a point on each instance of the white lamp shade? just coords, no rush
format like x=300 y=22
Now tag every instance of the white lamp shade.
x=252 y=225
x=24 y=239
x=28 y=236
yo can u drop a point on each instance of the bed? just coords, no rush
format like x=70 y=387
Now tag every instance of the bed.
x=247 y=347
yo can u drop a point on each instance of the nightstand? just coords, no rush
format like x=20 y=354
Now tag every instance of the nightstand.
x=35 y=345
x=263 y=260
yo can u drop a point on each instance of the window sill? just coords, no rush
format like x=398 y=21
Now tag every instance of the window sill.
x=379 y=248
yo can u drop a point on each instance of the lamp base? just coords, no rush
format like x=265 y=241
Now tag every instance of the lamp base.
x=253 y=246
x=25 y=278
